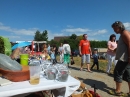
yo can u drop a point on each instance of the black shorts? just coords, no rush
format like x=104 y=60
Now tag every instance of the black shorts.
x=122 y=71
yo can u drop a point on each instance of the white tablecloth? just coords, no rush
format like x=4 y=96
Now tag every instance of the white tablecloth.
x=25 y=87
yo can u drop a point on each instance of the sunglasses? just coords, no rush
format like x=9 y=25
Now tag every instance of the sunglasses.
x=116 y=22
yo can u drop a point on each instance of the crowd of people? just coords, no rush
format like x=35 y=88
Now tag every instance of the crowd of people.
x=52 y=51
x=47 y=53
x=118 y=52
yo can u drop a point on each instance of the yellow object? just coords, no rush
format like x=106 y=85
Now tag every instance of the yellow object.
x=48 y=57
x=24 y=59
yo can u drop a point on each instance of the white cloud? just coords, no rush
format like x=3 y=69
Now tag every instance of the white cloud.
x=18 y=31
x=1 y=23
x=24 y=32
x=77 y=31
x=127 y=25
x=98 y=32
x=12 y=37
x=80 y=31
x=52 y=35
x=74 y=30
x=18 y=34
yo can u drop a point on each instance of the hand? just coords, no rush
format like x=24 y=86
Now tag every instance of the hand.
x=12 y=57
x=114 y=50
x=80 y=53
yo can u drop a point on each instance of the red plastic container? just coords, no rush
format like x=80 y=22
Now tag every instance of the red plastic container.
x=92 y=92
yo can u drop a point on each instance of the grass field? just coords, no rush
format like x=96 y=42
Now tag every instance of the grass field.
x=102 y=64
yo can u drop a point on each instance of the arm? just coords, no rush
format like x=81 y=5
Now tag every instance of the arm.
x=59 y=50
x=15 y=53
x=90 y=50
x=109 y=46
x=80 y=50
x=12 y=55
x=126 y=39
x=63 y=49
x=70 y=50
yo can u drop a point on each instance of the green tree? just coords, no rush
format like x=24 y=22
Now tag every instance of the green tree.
x=74 y=42
x=2 y=49
x=44 y=35
x=98 y=44
x=53 y=42
x=41 y=36
x=73 y=36
x=37 y=36
x=80 y=37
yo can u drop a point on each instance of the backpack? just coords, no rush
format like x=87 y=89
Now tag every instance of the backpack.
x=67 y=49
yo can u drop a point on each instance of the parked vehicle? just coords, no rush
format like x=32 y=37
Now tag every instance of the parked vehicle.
x=102 y=56
x=75 y=53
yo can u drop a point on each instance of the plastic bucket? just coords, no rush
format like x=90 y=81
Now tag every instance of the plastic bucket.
x=24 y=59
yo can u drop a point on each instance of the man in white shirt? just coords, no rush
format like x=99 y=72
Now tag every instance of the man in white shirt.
x=66 y=52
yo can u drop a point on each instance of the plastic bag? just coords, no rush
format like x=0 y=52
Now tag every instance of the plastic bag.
x=8 y=64
x=72 y=61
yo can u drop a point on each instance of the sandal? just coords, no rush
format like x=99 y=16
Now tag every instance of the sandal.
x=90 y=71
x=113 y=92
x=81 y=69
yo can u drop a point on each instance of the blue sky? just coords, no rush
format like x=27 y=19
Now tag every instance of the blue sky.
x=20 y=19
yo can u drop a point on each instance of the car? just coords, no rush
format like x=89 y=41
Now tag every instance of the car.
x=102 y=56
x=75 y=53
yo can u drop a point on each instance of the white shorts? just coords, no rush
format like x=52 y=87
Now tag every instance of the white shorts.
x=85 y=58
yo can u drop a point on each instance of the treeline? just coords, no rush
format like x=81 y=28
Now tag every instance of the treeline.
x=73 y=40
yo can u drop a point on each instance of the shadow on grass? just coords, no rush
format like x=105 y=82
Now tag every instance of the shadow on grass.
x=98 y=84
x=102 y=71
x=85 y=69
x=75 y=68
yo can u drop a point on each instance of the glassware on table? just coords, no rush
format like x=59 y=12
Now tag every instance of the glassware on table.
x=34 y=68
x=63 y=73
x=51 y=72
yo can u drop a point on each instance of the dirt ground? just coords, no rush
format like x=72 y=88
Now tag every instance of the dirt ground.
x=103 y=82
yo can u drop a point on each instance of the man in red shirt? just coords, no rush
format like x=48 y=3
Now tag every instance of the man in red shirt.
x=85 y=52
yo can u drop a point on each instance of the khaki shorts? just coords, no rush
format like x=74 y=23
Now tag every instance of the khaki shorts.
x=85 y=58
